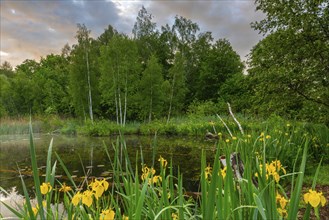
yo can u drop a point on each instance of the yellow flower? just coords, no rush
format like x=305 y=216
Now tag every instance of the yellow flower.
x=219 y=134
x=268 y=136
x=223 y=172
x=107 y=215
x=87 y=198
x=281 y=200
x=45 y=188
x=314 y=198
x=262 y=134
x=207 y=171
x=234 y=138
x=288 y=125
x=282 y=212
x=35 y=210
x=174 y=216
x=163 y=162
x=99 y=187
x=76 y=198
x=155 y=179
x=227 y=140
x=125 y=217
x=249 y=136
x=65 y=188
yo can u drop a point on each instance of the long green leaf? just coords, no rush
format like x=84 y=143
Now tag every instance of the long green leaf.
x=260 y=206
x=66 y=170
x=36 y=174
x=294 y=200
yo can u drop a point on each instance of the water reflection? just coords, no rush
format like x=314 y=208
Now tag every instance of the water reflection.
x=81 y=154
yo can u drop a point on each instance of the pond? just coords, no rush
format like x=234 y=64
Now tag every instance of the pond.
x=87 y=154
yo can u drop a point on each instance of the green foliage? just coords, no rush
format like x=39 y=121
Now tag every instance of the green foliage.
x=151 y=96
x=289 y=67
x=156 y=193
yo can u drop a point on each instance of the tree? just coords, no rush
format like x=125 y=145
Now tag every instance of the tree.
x=145 y=34
x=150 y=90
x=292 y=63
x=220 y=64
x=119 y=74
x=177 y=86
x=6 y=69
x=83 y=73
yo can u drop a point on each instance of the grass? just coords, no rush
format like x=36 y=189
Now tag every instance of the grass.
x=323 y=177
x=138 y=191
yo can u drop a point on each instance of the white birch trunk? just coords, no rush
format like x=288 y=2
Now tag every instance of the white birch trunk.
x=89 y=90
x=171 y=97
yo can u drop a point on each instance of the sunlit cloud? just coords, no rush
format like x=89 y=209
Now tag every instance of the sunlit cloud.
x=3 y=54
x=31 y=29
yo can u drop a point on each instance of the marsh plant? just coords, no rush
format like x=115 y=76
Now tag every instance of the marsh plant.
x=245 y=186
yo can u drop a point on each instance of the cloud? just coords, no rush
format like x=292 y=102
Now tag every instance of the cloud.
x=30 y=29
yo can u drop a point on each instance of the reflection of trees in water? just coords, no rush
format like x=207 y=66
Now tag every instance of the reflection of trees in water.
x=184 y=152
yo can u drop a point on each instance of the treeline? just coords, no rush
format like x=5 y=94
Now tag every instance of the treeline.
x=168 y=71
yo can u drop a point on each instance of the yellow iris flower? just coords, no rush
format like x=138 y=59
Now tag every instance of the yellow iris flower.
x=107 y=215
x=87 y=198
x=314 y=198
x=45 y=188
x=65 y=188
x=76 y=198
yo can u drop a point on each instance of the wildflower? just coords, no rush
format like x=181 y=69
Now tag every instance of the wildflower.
x=268 y=136
x=125 y=217
x=45 y=188
x=227 y=140
x=249 y=136
x=261 y=139
x=174 y=216
x=35 y=210
x=155 y=179
x=87 y=198
x=207 y=171
x=314 y=198
x=76 y=198
x=163 y=162
x=262 y=134
x=99 y=187
x=282 y=212
x=288 y=125
x=107 y=215
x=223 y=172
x=65 y=188
x=146 y=172
x=219 y=134
x=281 y=200
x=234 y=138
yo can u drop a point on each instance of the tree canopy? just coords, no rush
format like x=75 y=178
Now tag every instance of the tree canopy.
x=162 y=72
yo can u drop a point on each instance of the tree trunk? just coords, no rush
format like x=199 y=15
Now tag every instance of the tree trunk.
x=171 y=97
x=125 y=107
x=89 y=90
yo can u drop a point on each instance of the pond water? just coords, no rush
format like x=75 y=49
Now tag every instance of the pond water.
x=81 y=154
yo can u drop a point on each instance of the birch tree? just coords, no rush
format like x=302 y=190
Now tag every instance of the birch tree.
x=80 y=74
x=119 y=73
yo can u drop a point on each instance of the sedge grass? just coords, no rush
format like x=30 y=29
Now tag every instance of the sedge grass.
x=160 y=195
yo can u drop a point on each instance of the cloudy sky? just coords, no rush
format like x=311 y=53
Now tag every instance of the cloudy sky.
x=34 y=28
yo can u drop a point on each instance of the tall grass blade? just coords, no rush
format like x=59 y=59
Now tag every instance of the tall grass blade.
x=295 y=195
x=36 y=174
x=260 y=206
x=66 y=171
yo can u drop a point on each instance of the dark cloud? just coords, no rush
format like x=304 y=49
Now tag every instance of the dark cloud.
x=30 y=29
